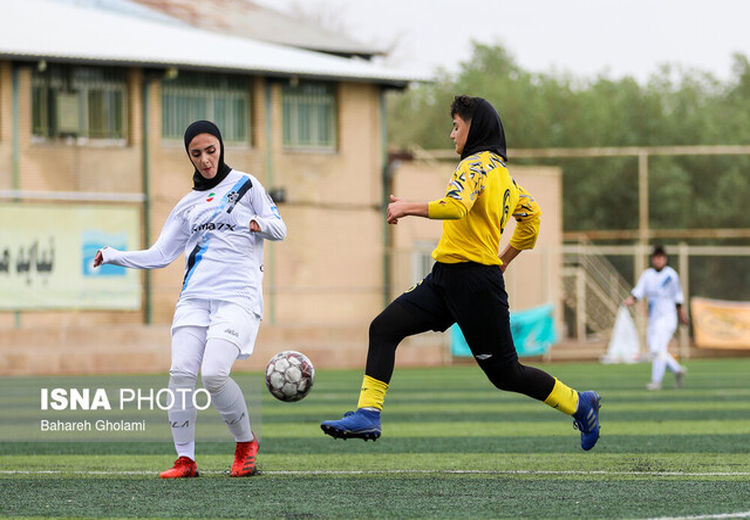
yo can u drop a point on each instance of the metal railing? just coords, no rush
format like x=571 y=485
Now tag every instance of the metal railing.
x=594 y=290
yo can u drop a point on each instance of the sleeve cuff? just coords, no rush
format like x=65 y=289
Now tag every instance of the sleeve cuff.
x=108 y=254
x=443 y=209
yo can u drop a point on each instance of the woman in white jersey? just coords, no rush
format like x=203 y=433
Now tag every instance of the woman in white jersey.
x=660 y=285
x=220 y=227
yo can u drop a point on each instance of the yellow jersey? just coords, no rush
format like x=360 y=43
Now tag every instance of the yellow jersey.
x=479 y=200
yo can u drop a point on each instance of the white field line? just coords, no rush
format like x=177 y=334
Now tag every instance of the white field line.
x=410 y=472
x=745 y=514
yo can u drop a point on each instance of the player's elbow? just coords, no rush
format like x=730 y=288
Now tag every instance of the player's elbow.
x=459 y=212
x=446 y=209
x=523 y=241
x=454 y=215
x=156 y=258
x=523 y=245
x=280 y=232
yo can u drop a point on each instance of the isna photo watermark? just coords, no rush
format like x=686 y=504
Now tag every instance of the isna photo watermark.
x=94 y=399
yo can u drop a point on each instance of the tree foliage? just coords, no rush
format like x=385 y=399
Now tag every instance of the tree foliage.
x=675 y=106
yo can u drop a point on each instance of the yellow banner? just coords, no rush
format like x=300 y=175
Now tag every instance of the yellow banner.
x=721 y=324
x=46 y=253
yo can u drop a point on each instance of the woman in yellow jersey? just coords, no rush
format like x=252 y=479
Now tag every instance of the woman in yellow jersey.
x=466 y=284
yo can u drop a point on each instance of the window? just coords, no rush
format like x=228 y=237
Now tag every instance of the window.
x=221 y=98
x=421 y=259
x=79 y=102
x=309 y=111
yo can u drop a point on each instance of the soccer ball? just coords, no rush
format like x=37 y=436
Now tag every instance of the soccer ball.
x=289 y=375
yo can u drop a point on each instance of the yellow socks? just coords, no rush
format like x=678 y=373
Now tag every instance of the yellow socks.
x=372 y=393
x=563 y=398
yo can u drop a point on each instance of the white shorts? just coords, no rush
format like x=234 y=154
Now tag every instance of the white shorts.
x=224 y=320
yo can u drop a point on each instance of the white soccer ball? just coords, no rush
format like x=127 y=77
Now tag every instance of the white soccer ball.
x=289 y=375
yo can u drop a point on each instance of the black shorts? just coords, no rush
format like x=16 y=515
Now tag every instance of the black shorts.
x=472 y=295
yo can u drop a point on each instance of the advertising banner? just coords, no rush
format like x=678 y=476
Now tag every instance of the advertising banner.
x=46 y=254
x=720 y=323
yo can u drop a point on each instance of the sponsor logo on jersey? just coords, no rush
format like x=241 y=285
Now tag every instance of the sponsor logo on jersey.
x=238 y=191
x=214 y=226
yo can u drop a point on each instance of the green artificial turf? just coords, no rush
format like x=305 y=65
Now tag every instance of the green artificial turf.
x=452 y=447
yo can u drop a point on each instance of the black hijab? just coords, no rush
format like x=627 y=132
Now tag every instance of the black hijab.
x=485 y=133
x=200 y=183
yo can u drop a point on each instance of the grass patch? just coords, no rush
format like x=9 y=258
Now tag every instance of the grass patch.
x=452 y=447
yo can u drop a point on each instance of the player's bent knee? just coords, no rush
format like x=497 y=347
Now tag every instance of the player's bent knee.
x=214 y=382
x=505 y=376
x=180 y=378
x=379 y=326
x=382 y=336
x=390 y=326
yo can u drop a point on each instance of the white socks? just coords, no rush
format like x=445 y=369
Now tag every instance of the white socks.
x=226 y=394
x=662 y=362
x=182 y=419
x=214 y=357
x=187 y=353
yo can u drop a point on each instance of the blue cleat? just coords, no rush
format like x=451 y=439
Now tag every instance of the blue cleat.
x=587 y=418
x=362 y=424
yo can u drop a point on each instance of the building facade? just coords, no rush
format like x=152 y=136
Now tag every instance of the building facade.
x=93 y=106
x=89 y=124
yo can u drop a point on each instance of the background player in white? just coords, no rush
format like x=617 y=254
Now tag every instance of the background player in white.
x=220 y=226
x=660 y=286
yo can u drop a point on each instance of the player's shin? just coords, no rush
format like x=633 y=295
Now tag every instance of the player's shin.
x=372 y=393
x=231 y=405
x=226 y=395
x=563 y=398
x=182 y=415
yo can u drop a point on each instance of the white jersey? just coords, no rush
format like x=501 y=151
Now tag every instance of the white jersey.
x=223 y=258
x=662 y=290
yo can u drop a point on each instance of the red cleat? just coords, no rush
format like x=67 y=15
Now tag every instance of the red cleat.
x=244 y=459
x=184 y=467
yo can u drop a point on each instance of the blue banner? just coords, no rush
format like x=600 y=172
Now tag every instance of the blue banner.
x=533 y=332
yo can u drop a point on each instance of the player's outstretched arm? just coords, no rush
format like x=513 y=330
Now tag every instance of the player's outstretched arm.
x=167 y=247
x=398 y=209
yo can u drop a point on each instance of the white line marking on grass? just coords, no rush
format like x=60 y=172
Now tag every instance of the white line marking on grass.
x=745 y=514
x=74 y=472
x=506 y=472
x=413 y=472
